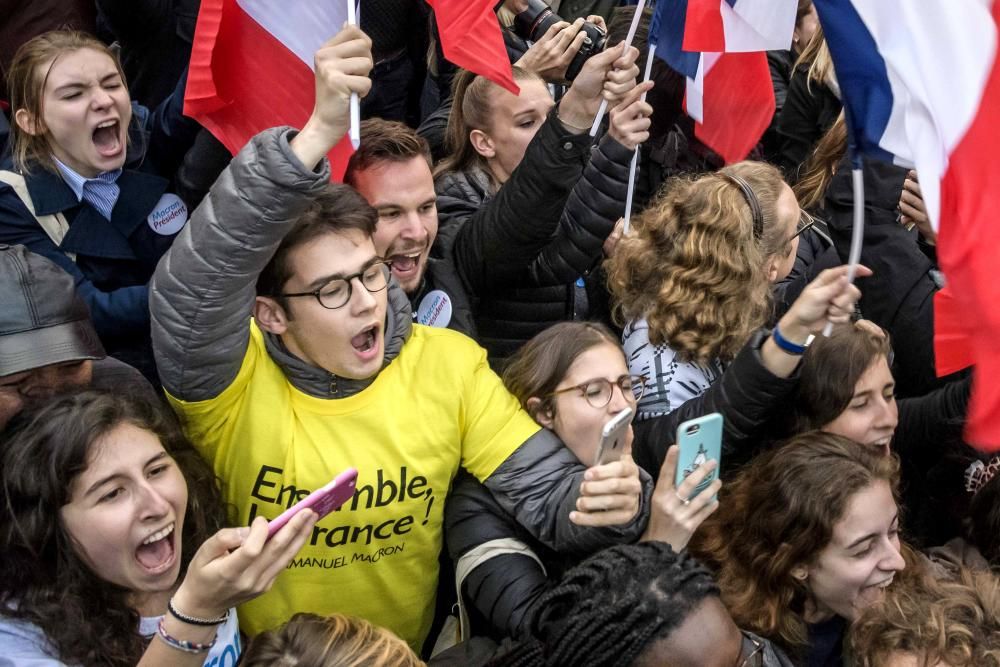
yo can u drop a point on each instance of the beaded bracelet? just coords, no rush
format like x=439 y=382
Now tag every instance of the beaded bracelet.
x=785 y=344
x=182 y=644
x=194 y=620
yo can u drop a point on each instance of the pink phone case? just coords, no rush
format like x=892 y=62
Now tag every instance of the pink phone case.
x=322 y=501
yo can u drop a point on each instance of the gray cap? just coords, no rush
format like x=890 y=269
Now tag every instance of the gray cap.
x=42 y=319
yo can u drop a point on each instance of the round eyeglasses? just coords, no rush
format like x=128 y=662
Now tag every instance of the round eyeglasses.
x=599 y=390
x=336 y=292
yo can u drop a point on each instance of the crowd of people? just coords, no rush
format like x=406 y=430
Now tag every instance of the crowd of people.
x=191 y=343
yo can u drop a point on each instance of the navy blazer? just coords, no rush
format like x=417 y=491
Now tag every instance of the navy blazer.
x=114 y=258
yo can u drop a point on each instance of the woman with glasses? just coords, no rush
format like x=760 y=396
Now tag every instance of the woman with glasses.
x=693 y=281
x=807 y=537
x=572 y=379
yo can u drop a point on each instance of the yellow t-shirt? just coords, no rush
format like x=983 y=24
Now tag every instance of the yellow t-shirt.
x=436 y=407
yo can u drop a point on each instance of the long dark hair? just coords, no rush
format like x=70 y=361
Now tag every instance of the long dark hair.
x=781 y=511
x=43 y=579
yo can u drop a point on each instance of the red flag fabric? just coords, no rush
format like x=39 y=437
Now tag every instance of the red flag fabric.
x=952 y=343
x=471 y=38
x=703 y=30
x=735 y=103
x=968 y=250
x=251 y=68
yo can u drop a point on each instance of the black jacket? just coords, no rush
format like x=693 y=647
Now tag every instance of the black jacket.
x=810 y=109
x=747 y=396
x=521 y=252
x=501 y=592
x=899 y=296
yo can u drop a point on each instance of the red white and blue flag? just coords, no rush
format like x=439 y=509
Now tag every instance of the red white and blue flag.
x=252 y=61
x=252 y=67
x=921 y=86
x=719 y=45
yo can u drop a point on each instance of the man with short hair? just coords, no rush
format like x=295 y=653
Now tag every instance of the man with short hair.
x=392 y=170
x=332 y=373
x=47 y=343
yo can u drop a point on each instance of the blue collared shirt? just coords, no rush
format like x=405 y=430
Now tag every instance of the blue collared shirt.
x=100 y=192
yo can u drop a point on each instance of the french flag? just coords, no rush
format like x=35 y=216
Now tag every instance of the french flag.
x=718 y=45
x=252 y=67
x=921 y=87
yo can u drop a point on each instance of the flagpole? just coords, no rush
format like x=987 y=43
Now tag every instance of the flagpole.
x=635 y=156
x=628 y=42
x=355 y=131
x=858 y=229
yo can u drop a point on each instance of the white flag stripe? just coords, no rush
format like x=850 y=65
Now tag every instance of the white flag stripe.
x=301 y=25
x=758 y=25
x=938 y=55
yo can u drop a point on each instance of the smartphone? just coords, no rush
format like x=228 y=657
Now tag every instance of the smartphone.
x=322 y=501
x=699 y=440
x=613 y=437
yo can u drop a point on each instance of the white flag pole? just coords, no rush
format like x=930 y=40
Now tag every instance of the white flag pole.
x=635 y=157
x=355 y=131
x=628 y=42
x=857 y=232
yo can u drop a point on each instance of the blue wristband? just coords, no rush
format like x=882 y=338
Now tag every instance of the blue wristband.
x=785 y=344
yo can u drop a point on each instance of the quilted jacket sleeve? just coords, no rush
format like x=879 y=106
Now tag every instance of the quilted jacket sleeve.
x=203 y=290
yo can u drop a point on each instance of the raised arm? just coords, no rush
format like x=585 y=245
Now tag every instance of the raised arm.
x=499 y=240
x=597 y=201
x=203 y=290
x=758 y=383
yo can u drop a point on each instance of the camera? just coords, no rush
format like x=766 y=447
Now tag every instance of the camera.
x=534 y=21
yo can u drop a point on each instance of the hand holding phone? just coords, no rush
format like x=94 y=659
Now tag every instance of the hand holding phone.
x=322 y=501
x=699 y=441
x=613 y=437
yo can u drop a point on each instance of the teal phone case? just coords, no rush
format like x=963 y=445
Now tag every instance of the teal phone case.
x=699 y=440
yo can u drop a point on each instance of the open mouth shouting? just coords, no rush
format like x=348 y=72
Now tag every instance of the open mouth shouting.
x=406 y=265
x=108 y=138
x=158 y=552
x=367 y=343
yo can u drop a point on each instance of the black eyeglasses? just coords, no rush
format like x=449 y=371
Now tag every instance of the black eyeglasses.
x=337 y=292
x=599 y=390
x=805 y=222
x=752 y=653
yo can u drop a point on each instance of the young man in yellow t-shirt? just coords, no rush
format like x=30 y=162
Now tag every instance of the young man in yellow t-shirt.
x=330 y=372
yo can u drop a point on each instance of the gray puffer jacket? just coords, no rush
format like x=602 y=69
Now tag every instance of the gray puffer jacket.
x=201 y=299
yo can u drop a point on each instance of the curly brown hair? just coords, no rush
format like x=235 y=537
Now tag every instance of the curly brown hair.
x=779 y=512
x=693 y=266
x=955 y=622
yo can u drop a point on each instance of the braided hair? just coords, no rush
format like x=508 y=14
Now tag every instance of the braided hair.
x=608 y=609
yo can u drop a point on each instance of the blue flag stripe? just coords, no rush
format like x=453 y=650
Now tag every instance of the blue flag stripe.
x=667 y=32
x=861 y=73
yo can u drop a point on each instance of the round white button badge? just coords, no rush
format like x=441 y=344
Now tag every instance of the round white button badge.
x=168 y=216
x=434 y=309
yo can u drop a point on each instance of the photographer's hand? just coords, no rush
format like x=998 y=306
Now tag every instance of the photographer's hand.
x=551 y=55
